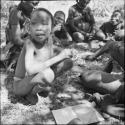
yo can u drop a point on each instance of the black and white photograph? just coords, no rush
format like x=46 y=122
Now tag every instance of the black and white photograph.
x=62 y=62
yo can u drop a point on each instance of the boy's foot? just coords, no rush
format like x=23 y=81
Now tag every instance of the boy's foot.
x=32 y=98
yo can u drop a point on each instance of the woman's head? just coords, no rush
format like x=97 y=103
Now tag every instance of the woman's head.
x=41 y=24
x=83 y=3
x=27 y=7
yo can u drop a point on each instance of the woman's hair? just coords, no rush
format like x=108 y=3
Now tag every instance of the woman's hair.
x=82 y=0
x=26 y=8
x=45 y=10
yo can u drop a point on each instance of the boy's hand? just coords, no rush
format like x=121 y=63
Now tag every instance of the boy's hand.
x=66 y=53
x=57 y=27
x=90 y=57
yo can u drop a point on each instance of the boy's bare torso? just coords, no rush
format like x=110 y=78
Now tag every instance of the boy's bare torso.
x=37 y=56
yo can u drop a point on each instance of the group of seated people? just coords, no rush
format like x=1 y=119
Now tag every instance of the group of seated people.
x=38 y=45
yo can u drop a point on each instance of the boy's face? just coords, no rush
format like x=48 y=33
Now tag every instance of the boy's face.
x=84 y=3
x=59 y=18
x=40 y=26
x=115 y=18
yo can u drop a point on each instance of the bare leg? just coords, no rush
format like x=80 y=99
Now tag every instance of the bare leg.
x=100 y=81
x=78 y=37
x=62 y=67
x=109 y=67
x=100 y=36
x=25 y=86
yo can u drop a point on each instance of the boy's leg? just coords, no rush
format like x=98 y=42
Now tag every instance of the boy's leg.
x=31 y=85
x=62 y=67
x=100 y=36
x=78 y=37
x=25 y=86
x=100 y=81
x=109 y=67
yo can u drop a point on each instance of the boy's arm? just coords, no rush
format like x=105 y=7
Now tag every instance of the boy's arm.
x=20 y=68
x=40 y=66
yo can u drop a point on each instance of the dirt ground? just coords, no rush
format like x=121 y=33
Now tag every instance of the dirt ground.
x=66 y=90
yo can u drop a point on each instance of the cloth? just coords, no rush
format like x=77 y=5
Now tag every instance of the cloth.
x=85 y=112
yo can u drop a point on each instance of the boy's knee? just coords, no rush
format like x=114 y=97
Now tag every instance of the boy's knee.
x=47 y=76
x=78 y=37
x=100 y=35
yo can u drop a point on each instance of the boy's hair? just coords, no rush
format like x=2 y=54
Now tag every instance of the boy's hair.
x=45 y=10
x=119 y=11
x=59 y=12
x=82 y=0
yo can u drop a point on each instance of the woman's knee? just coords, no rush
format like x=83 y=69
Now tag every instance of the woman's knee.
x=78 y=37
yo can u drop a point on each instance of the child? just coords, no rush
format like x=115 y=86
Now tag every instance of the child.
x=15 y=30
x=37 y=64
x=60 y=30
x=114 y=28
x=81 y=22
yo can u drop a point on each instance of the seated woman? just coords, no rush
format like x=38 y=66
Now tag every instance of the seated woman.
x=40 y=61
x=60 y=32
x=81 y=22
